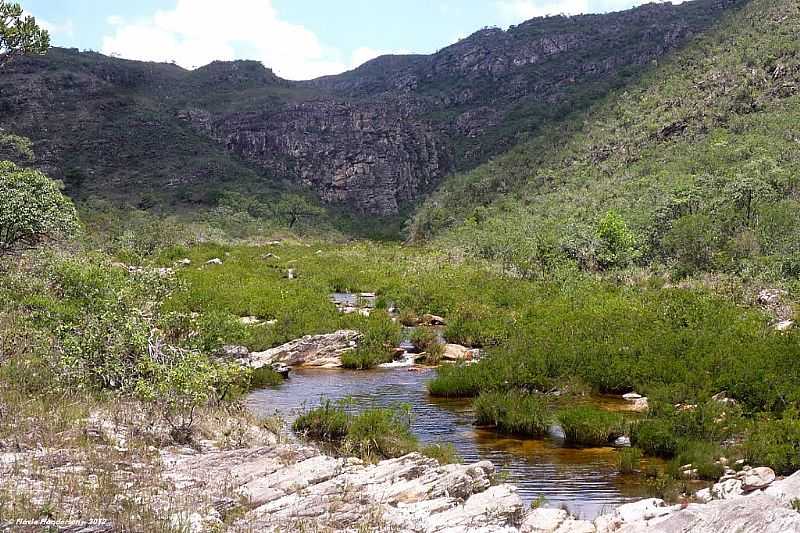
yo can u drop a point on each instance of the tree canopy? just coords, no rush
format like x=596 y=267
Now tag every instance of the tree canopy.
x=19 y=34
x=32 y=208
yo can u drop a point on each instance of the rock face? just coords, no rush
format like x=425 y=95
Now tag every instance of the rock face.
x=322 y=351
x=291 y=487
x=376 y=138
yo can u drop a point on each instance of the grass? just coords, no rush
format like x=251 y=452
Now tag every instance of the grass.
x=371 y=433
x=513 y=412
x=629 y=460
x=589 y=426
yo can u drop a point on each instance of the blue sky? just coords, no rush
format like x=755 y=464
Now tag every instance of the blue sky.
x=299 y=39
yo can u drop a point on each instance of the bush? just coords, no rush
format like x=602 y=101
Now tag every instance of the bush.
x=32 y=209
x=380 y=434
x=703 y=457
x=380 y=338
x=655 y=437
x=513 y=412
x=329 y=422
x=775 y=443
x=589 y=426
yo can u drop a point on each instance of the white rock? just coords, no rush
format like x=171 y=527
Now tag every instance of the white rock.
x=312 y=350
x=643 y=510
x=784 y=325
x=631 y=396
x=703 y=495
x=757 y=478
x=215 y=261
x=543 y=520
x=576 y=526
x=622 y=442
x=728 y=489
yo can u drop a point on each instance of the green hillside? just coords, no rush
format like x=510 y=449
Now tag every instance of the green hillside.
x=695 y=166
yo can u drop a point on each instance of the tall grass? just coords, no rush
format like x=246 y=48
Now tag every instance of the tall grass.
x=513 y=412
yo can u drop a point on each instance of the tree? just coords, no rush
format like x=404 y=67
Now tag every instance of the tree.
x=19 y=35
x=32 y=208
x=617 y=242
x=294 y=207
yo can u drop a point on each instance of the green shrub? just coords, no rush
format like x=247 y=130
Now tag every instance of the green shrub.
x=513 y=412
x=775 y=443
x=329 y=422
x=590 y=426
x=380 y=337
x=33 y=209
x=703 y=457
x=629 y=460
x=655 y=437
x=380 y=434
x=264 y=377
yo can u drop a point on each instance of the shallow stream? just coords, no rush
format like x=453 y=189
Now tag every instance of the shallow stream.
x=583 y=479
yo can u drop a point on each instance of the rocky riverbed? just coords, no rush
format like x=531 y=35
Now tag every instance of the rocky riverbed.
x=243 y=477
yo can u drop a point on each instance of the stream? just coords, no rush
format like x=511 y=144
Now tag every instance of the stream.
x=582 y=479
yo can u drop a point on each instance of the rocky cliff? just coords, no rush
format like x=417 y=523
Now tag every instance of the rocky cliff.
x=374 y=139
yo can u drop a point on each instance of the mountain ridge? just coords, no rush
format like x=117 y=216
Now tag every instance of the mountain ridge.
x=375 y=140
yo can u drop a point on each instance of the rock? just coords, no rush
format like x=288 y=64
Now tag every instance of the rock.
x=291 y=273
x=622 y=442
x=770 y=296
x=577 y=526
x=640 y=405
x=543 y=520
x=250 y=321
x=757 y=478
x=722 y=398
x=234 y=352
x=784 y=325
x=433 y=320
x=184 y=262
x=456 y=352
x=311 y=350
x=643 y=510
x=631 y=396
x=703 y=495
x=215 y=261
x=281 y=369
x=728 y=489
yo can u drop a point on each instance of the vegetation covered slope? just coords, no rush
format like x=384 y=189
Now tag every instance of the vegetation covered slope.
x=695 y=165
x=375 y=140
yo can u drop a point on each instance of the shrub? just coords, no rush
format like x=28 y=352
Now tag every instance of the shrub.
x=702 y=456
x=33 y=209
x=617 y=242
x=263 y=377
x=775 y=443
x=589 y=426
x=380 y=338
x=380 y=433
x=513 y=412
x=329 y=422
x=655 y=437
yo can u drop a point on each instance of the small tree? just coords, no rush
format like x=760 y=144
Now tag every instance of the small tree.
x=294 y=207
x=32 y=209
x=617 y=242
x=19 y=35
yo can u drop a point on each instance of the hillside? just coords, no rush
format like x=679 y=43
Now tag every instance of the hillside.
x=375 y=140
x=696 y=166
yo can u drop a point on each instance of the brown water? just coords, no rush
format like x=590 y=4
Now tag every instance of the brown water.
x=584 y=479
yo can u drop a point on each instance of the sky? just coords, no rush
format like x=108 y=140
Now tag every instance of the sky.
x=298 y=39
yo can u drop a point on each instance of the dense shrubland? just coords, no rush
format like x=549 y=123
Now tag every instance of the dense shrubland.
x=691 y=169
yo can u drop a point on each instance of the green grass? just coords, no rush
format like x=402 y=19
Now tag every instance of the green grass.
x=589 y=426
x=629 y=460
x=513 y=412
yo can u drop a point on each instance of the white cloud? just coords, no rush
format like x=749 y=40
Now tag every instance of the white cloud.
x=64 y=28
x=515 y=11
x=197 y=32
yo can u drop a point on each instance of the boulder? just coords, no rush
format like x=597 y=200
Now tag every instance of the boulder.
x=728 y=489
x=456 y=352
x=184 y=262
x=234 y=352
x=770 y=296
x=543 y=520
x=215 y=261
x=433 y=320
x=312 y=350
x=644 y=510
x=757 y=478
x=784 y=325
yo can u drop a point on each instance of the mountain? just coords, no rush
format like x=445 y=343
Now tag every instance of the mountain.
x=696 y=166
x=376 y=139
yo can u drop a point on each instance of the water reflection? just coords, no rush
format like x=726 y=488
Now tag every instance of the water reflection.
x=583 y=479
